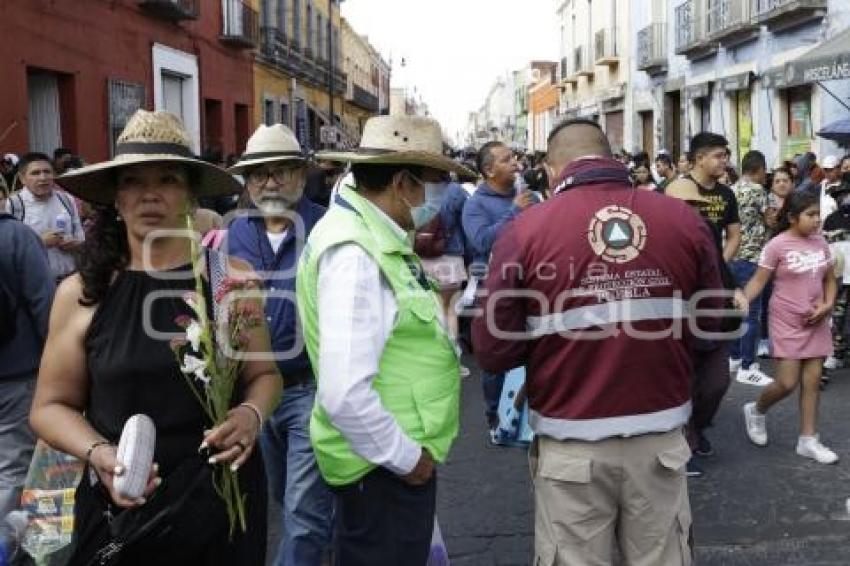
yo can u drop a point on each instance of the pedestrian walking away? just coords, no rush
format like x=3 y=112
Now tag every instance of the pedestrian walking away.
x=609 y=434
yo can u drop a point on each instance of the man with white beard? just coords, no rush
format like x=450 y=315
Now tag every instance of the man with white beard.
x=271 y=237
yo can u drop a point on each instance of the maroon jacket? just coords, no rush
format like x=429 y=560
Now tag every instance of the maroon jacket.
x=597 y=284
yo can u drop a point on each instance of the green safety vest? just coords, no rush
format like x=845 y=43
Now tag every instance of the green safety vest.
x=418 y=378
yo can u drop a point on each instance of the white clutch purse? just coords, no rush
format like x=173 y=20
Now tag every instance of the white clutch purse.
x=135 y=452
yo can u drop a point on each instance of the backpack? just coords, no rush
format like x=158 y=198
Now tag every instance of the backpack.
x=19 y=211
x=8 y=308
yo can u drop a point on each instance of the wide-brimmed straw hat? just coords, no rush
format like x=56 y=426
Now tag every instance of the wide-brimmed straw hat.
x=269 y=144
x=149 y=137
x=401 y=140
x=686 y=190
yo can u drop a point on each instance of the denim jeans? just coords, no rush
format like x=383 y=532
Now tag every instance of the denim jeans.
x=744 y=348
x=17 y=441
x=295 y=482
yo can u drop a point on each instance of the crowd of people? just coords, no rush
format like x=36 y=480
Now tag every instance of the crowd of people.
x=377 y=264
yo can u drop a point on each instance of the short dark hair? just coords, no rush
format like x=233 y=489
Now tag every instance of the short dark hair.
x=572 y=122
x=61 y=152
x=665 y=159
x=753 y=162
x=484 y=158
x=378 y=176
x=32 y=157
x=704 y=141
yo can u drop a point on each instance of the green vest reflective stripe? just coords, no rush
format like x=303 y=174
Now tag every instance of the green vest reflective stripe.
x=418 y=378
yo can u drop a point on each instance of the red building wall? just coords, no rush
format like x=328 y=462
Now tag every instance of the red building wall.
x=92 y=41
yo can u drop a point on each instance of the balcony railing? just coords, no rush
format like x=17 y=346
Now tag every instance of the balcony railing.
x=581 y=62
x=240 y=23
x=172 y=10
x=652 y=48
x=691 y=36
x=364 y=99
x=607 y=51
x=731 y=21
x=782 y=14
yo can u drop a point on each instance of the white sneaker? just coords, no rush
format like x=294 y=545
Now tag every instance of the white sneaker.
x=734 y=366
x=810 y=447
x=755 y=423
x=763 y=349
x=833 y=363
x=754 y=376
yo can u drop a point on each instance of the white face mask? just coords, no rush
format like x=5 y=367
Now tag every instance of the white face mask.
x=425 y=212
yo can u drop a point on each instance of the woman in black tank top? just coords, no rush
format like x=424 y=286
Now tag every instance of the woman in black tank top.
x=108 y=358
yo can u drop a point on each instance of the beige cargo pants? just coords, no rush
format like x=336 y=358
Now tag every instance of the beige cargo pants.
x=629 y=490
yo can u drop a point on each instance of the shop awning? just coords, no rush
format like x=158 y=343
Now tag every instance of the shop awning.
x=828 y=61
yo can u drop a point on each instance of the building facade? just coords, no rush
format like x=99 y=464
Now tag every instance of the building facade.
x=368 y=80
x=594 y=66
x=74 y=72
x=298 y=76
x=767 y=74
x=543 y=103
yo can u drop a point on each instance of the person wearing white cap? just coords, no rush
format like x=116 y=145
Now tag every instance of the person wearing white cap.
x=832 y=180
x=271 y=237
x=387 y=405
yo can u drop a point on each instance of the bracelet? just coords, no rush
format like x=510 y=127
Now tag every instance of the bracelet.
x=256 y=410
x=93 y=446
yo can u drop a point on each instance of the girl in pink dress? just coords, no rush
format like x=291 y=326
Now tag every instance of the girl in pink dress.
x=799 y=261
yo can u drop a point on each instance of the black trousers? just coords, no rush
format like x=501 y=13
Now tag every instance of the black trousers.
x=383 y=521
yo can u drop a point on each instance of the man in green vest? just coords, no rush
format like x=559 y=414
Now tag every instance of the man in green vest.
x=388 y=373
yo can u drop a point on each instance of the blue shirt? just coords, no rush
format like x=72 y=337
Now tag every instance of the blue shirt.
x=484 y=216
x=27 y=277
x=247 y=239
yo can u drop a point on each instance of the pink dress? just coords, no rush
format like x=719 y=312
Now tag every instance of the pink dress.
x=798 y=266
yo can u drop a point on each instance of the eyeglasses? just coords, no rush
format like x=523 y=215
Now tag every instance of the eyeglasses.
x=281 y=175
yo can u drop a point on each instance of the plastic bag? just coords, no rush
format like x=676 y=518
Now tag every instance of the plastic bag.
x=48 y=501
x=439 y=556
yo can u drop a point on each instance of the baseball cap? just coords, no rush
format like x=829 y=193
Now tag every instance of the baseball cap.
x=11 y=158
x=830 y=162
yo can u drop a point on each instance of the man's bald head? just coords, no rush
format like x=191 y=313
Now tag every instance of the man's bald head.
x=572 y=139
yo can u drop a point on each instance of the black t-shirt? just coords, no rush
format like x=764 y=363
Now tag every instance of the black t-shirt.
x=722 y=210
x=838 y=220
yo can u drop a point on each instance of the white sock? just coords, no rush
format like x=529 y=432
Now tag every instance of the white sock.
x=807 y=439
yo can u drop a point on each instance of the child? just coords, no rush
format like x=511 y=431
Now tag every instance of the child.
x=804 y=290
x=643 y=177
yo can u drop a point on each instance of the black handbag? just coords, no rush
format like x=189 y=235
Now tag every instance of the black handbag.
x=183 y=515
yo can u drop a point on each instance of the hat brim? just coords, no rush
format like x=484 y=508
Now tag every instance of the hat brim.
x=240 y=167
x=420 y=158
x=96 y=183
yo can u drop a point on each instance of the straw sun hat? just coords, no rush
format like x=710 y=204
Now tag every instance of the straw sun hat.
x=149 y=137
x=269 y=144
x=400 y=140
